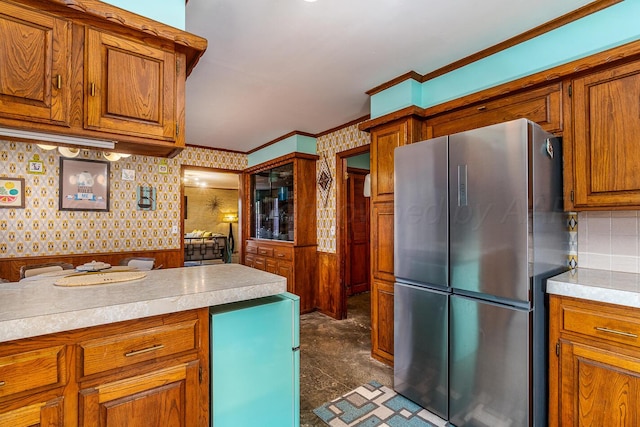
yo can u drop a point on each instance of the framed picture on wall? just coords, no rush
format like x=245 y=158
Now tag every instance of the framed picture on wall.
x=84 y=185
x=12 y=193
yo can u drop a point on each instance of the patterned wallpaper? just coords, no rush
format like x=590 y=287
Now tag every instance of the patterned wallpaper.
x=41 y=229
x=327 y=146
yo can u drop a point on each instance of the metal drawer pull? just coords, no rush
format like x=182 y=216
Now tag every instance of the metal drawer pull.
x=2 y=383
x=92 y=89
x=144 y=350
x=483 y=107
x=613 y=331
x=59 y=81
x=281 y=255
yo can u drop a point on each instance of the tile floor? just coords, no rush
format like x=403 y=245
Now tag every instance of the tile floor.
x=335 y=357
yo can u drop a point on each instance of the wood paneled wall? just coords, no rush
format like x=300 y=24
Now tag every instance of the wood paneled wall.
x=329 y=287
x=10 y=267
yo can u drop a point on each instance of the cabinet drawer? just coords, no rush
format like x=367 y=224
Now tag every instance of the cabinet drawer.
x=264 y=251
x=260 y=263
x=31 y=370
x=104 y=354
x=283 y=253
x=252 y=249
x=271 y=266
x=600 y=322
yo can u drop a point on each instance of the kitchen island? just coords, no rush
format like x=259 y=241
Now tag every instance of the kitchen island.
x=134 y=353
x=594 y=362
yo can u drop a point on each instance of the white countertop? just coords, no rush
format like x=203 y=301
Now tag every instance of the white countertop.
x=612 y=287
x=37 y=307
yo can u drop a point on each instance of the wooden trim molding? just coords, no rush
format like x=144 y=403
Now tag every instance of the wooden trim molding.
x=572 y=69
x=281 y=160
x=290 y=134
x=345 y=125
x=528 y=35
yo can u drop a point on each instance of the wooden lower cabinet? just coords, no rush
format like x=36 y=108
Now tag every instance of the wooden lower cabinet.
x=145 y=372
x=594 y=363
x=296 y=263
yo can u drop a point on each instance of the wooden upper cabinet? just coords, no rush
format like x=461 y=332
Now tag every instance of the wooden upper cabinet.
x=542 y=105
x=603 y=154
x=130 y=87
x=384 y=140
x=35 y=67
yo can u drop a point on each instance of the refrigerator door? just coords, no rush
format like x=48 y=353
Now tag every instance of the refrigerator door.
x=490 y=364
x=421 y=343
x=421 y=220
x=489 y=211
x=255 y=363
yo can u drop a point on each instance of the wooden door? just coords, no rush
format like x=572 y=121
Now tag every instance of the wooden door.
x=168 y=398
x=130 y=87
x=605 y=145
x=35 y=51
x=357 y=232
x=598 y=387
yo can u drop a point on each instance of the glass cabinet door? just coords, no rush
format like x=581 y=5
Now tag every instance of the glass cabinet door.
x=272 y=203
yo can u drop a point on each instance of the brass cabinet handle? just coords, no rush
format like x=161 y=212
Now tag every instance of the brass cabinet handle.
x=59 y=81
x=2 y=383
x=482 y=107
x=144 y=350
x=281 y=255
x=92 y=89
x=613 y=331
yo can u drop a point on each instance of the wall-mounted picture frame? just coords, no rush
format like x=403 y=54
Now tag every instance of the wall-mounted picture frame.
x=84 y=185
x=12 y=193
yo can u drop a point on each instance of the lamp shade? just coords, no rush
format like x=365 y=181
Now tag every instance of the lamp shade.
x=230 y=217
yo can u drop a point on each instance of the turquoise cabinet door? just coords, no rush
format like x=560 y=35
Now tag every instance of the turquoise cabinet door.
x=255 y=363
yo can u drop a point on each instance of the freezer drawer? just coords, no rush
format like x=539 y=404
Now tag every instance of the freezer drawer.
x=255 y=363
x=490 y=364
x=421 y=342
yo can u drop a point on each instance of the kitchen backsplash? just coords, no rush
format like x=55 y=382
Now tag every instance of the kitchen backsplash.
x=609 y=240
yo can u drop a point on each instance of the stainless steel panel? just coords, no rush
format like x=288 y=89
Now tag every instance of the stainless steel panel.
x=490 y=364
x=421 y=343
x=421 y=220
x=489 y=210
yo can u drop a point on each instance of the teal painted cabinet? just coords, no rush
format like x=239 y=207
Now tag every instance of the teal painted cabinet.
x=255 y=358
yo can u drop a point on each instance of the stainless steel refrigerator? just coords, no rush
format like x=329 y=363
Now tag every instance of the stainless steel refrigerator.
x=479 y=227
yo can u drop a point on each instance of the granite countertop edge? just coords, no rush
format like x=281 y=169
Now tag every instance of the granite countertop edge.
x=607 y=286
x=182 y=289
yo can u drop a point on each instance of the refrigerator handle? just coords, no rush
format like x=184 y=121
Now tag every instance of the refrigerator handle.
x=462 y=185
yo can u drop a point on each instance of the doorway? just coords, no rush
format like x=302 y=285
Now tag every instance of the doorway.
x=353 y=218
x=210 y=212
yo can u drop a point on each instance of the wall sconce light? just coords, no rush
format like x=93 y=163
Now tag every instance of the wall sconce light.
x=367 y=185
x=69 y=152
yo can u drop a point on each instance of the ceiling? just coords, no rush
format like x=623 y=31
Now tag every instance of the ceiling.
x=277 y=66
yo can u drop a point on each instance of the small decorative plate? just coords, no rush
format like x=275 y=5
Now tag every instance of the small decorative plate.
x=93 y=266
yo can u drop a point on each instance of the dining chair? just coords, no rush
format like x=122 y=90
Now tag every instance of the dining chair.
x=140 y=263
x=48 y=267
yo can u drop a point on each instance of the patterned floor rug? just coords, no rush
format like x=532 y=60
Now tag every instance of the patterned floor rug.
x=373 y=405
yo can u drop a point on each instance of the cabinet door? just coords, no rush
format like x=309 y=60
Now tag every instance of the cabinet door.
x=34 y=65
x=285 y=269
x=598 y=387
x=543 y=106
x=48 y=413
x=168 y=398
x=130 y=87
x=382 y=321
x=605 y=138
x=384 y=141
x=382 y=241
